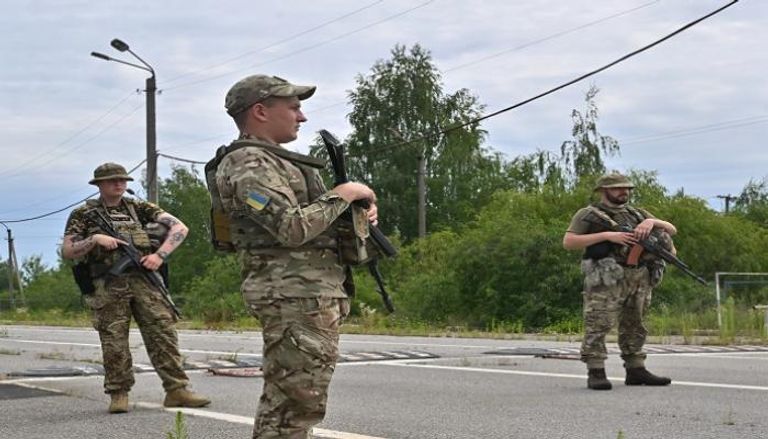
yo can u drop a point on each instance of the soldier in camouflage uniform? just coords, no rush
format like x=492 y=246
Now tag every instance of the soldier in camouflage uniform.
x=281 y=221
x=118 y=298
x=614 y=290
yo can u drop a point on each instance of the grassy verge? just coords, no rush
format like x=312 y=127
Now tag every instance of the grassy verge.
x=740 y=325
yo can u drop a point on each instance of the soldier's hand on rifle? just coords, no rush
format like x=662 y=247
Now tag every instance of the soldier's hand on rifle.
x=643 y=230
x=107 y=242
x=624 y=238
x=355 y=191
x=152 y=262
x=373 y=214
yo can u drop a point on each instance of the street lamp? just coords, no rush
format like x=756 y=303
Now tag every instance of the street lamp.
x=151 y=89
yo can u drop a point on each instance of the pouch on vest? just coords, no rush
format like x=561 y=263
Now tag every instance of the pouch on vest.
x=221 y=237
x=353 y=234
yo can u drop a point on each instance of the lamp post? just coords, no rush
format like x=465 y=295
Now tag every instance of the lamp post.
x=150 y=90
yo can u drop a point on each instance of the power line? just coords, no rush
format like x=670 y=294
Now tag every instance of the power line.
x=81 y=144
x=727 y=125
x=559 y=87
x=305 y=49
x=70 y=138
x=23 y=220
x=552 y=36
x=181 y=159
x=277 y=43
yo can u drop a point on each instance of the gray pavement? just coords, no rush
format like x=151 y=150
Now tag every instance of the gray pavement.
x=465 y=393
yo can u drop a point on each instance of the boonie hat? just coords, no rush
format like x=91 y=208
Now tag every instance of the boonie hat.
x=256 y=88
x=613 y=180
x=108 y=171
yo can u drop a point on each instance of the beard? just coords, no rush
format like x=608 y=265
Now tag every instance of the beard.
x=617 y=200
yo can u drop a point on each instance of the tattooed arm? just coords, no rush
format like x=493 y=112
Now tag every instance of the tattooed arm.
x=177 y=232
x=75 y=247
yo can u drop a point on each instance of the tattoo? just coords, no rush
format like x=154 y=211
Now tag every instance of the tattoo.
x=169 y=220
x=163 y=255
x=177 y=237
x=80 y=246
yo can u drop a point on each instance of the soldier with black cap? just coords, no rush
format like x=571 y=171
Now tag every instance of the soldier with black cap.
x=117 y=298
x=270 y=205
x=613 y=290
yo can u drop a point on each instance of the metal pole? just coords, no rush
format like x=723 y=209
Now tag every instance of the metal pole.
x=717 y=295
x=11 y=270
x=151 y=89
x=422 y=197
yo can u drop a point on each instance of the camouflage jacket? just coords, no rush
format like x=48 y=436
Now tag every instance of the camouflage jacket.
x=130 y=219
x=282 y=224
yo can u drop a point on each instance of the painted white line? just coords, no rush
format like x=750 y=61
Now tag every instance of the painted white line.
x=245 y=420
x=97 y=345
x=64 y=343
x=567 y=375
x=732 y=356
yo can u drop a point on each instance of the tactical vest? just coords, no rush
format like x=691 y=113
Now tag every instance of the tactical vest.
x=630 y=217
x=232 y=229
x=130 y=228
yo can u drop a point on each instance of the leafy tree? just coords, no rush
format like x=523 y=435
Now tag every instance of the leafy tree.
x=32 y=268
x=185 y=196
x=752 y=203
x=403 y=100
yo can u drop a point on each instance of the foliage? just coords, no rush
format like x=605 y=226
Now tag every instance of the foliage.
x=399 y=109
x=214 y=295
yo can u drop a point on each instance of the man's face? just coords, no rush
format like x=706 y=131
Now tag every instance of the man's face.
x=111 y=188
x=617 y=195
x=283 y=119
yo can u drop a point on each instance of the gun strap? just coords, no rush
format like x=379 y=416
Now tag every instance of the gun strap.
x=279 y=151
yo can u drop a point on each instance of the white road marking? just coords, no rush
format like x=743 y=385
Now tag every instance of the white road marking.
x=245 y=420
x=565 y=375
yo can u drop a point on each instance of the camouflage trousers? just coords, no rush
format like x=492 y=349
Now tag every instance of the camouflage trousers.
x=301 y=345
x=611 y=293
x=112 y=305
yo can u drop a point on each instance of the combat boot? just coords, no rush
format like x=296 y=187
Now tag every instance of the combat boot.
x=637 y=376
x=182 y=397
x=119 y=402
x=596 y=380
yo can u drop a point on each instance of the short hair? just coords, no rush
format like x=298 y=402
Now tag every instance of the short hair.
x=242 y=117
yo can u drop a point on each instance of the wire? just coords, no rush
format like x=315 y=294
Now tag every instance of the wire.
x=180 y=159
x=23 y=220
x=16 y=166
x=552 y=36
x=304 y=49
x=559 y=87
x=80 y=145
x=727 y=125
x=285 y=40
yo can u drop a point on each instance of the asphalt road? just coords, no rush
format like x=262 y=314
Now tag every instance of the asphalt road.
x=466 y=392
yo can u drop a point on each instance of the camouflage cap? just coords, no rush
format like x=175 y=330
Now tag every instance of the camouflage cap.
x=613 y=181
x=109 y=171
x=256 y=88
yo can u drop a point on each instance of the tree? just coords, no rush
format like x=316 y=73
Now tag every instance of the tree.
x=32 y=268
x=752 y=203
x=399 y=111
x=185 y=196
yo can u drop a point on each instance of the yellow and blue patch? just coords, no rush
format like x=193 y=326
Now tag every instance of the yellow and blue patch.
x=257 y=200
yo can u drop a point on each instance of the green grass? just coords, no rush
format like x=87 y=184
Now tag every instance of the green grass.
x=665 y=325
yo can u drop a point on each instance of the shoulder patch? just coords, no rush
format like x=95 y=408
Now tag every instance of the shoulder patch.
x=257 y=200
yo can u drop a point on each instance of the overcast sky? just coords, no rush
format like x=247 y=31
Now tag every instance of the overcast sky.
x=694 y=108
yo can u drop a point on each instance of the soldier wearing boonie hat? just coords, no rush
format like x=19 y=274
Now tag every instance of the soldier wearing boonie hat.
x=270 y=205
x=116 y=298
x=109 y=171
x=613 y=290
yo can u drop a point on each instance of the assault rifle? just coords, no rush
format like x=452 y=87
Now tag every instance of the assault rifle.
x=132 y=258
x=650 y=244
x=338 y=162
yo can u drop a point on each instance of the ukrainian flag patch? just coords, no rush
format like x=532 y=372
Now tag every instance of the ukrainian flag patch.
x=257 y=200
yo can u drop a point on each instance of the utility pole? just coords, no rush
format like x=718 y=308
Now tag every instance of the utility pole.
x=14 y=278
x=151 y=90
x=728 y=198
x=421 y=186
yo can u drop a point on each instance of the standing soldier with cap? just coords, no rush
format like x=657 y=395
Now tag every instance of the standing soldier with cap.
x=614 y=290
x=118 y=297
x=271 y=207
